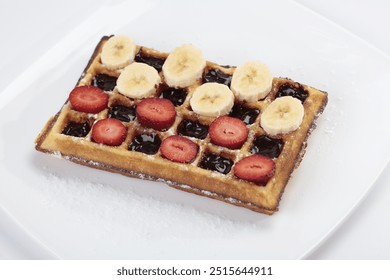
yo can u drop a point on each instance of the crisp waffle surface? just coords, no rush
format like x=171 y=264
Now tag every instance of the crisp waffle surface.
x=190 y=177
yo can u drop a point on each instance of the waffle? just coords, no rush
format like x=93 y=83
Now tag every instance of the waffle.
x=191 y=177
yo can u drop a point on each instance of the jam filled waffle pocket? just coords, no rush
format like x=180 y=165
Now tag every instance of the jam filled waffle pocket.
x=230 y=133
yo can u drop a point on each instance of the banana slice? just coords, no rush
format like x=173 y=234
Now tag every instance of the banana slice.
x=283 y=115
x=212 y=100
x=183 y=66
x=251 y=81
x=118 y=52
x=138 y=80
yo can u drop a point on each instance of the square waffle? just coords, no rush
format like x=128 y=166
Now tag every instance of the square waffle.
x=211 y=172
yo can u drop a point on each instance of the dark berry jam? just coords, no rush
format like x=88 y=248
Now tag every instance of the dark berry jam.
x=122 y=113
x=216 y=163
x=193 y=129
x=155 y=62
x=247 y=115
x=77 y=129
x=104 y=82
x=267 y=146
x=176 y=95
x=146 y=143
x=217 y=76
x=296 y=91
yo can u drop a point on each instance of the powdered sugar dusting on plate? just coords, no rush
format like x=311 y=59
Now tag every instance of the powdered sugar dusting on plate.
x=150 y=211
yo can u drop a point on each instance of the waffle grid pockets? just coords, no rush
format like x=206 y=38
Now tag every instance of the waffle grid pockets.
x=188 y=177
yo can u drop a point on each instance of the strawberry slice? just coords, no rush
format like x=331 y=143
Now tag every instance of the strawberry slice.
x=88 y=99
x=110 y=132
x=228 y=132
x=256 y=168
x=157 y=113
x=179 y=149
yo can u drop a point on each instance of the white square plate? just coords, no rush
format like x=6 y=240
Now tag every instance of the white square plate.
x=82 y=213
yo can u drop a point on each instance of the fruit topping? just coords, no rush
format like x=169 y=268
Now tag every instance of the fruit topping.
x=183 y=66
x=228 y=132
x=212 y=100
x=157 y=113
x=217 y=76
x=77 y=129
x=179 y=149
x=146 y=143
x=217 y=163
x=122 y=113
x=267 y=146
x=193 y=129
x=104 y=82
x=88 y=99
x=138 y=80
x=176 y=95
x=294 y=90
x=118 y=52
x=110 y=132
x=251 y=81
x=255 y=168
x=283 y=115
x=247 y=115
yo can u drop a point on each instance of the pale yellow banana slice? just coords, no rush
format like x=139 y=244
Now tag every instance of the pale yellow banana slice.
x=183 y=66
x=251 y=81
x=212 y=100
x=138 y=80
x=118 y=52
x=283 y=115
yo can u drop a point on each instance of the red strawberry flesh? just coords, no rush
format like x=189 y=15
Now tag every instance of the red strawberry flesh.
x=110 y=132
x=157 y=113
x=256 y=168
x=88 y=99
x=228 y=132
x=179 y=149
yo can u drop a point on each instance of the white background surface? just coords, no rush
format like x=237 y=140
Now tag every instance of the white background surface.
x=30 y=28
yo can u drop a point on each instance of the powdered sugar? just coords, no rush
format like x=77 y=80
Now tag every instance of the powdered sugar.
x=56 y=154
x=116 y=205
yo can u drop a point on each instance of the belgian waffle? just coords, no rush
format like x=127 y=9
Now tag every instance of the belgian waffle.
x=195 y=176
